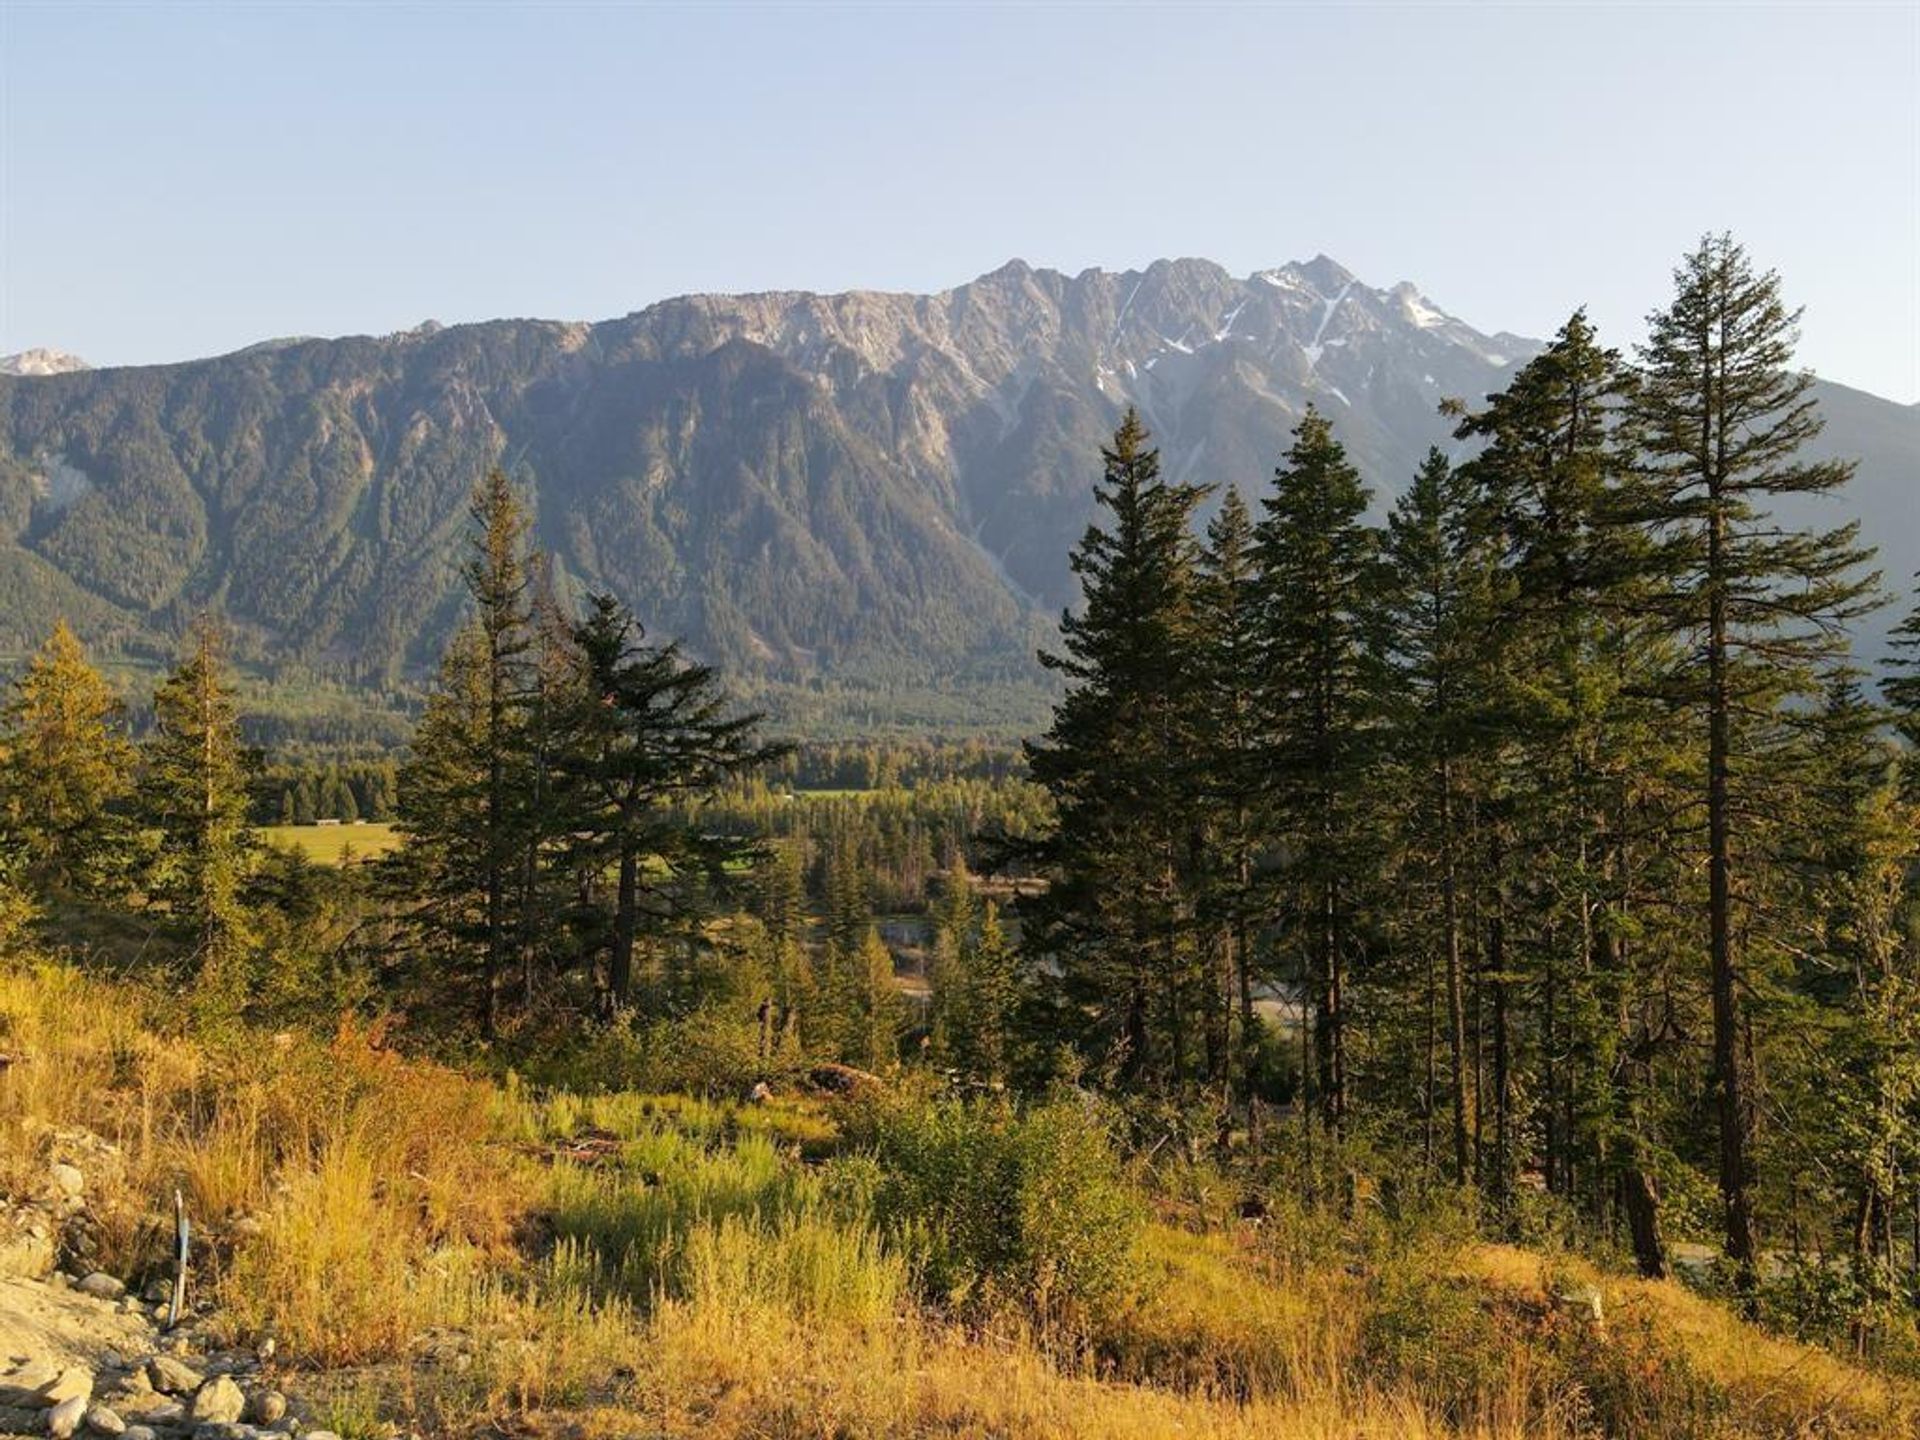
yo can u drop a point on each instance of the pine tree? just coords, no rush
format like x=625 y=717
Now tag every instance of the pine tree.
x=1440 y=560
x=1901 y=686
x=983 y=1045
x=193 y=790
x=1321 y=596
x=1230 y=771
x=1721 y=419
x=1116 y=915
x=497 y=576
x=876 y=1031
x=442 y=870
x=1573 y=673
x=949 y=978
x=652 y=732
x=466 y=797
x=1855 y=1014
x=65 y=765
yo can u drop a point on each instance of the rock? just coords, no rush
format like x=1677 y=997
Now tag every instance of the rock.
x=70 y=1384
x=64 y=1419
x=170 y=1413
x=321 y=1435
x=266 y=1406
x=67 y=1179
x=138 y=1432
x=102 y=1421
x=20 y=1388
x=17 y=1420
x=1582 y=1304
x=218 y=1402
x=171 y=1375
x=101 y=1286
x=157 y=1289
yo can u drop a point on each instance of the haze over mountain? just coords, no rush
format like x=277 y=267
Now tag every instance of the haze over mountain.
x=861 y=488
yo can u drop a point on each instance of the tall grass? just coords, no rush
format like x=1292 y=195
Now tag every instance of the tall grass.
x=697 y=1278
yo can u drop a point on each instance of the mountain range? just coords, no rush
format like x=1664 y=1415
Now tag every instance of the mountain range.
x=867 y=490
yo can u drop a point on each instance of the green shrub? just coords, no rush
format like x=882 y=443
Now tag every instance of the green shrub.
x=997 y=1205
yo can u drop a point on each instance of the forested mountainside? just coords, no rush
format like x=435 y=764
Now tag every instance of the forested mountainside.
x=858 y=489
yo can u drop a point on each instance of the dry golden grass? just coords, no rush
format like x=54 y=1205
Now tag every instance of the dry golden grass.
x=1770 y=1386
x=701 y=1281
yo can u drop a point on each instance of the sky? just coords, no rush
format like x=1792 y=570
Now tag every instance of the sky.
x=179 y=180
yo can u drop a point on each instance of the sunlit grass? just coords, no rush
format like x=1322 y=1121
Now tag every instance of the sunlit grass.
x=333 y=844
x=688 y=1274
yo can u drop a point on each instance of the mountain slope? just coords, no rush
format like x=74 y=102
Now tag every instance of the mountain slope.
x=866 y=488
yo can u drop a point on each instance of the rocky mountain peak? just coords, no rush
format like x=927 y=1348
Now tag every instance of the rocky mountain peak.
x=41 y=361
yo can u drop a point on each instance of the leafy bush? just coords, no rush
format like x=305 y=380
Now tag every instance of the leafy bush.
x=999 y=1205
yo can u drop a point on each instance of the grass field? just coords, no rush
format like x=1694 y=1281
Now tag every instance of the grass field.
x=330 y=844
x=625 y=1263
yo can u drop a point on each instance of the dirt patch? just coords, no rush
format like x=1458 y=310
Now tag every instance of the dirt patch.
x=42 y=1321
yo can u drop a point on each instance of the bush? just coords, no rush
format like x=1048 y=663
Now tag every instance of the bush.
x=996 y=1205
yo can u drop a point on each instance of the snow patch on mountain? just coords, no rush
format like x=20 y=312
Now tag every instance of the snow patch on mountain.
x=41 y=361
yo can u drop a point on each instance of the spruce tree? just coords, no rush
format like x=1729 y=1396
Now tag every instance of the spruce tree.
x=1901 y=686
x=1116 y=915
x=1440 y=560
x=1322 y=591
x=65 y=765
x=466 y=799
x=652 y=732
x=442 y=871
x=1721 y=418
x=193 y=791
x=877 y=1016
x=1229 y=785
x=1570 y=688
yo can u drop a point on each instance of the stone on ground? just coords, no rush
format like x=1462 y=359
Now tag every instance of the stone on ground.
x=218 y=1402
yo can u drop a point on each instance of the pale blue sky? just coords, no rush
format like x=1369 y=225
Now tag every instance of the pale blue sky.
x=178 y=180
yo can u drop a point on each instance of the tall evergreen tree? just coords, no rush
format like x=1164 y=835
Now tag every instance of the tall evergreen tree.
x=1231 y=755
x=1901 y=686
x=1721 y=419
x=1441 y=557
x=652 y=732
x=1115 y=917
x=443 y=869
x=1574 y=674
x=465 y=793
x=1322 y=591
x=193 y=790
x=65 y=764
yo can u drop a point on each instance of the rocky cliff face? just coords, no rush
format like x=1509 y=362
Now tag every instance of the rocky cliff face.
x=858 y=487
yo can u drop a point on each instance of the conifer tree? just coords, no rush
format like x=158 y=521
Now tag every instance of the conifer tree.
x=1230 y=780
x=877 y=1016
x=1322 y=591
x=1901 y=686
x=465 y=792
x=652 y=732
x=1574 y=651
x=65 y=764
x=193 y=790
x=1116 y=915
x=1721 y=418
x=1440 y=558
x=984 y=1044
